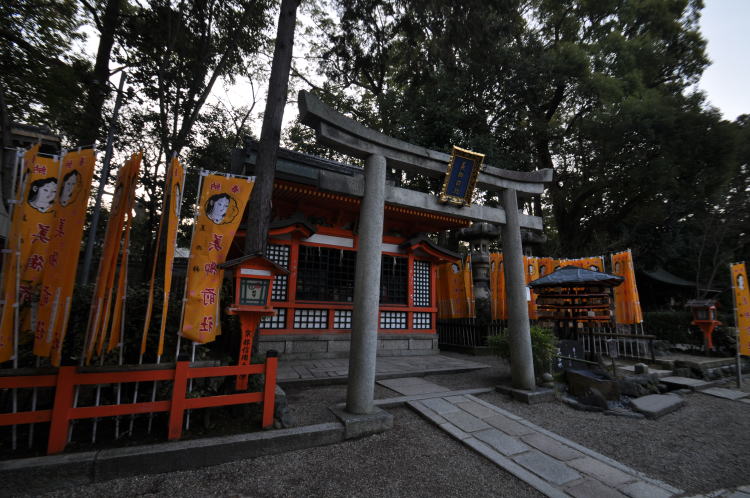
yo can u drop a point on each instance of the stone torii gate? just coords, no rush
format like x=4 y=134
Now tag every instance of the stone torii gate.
x=349 y=137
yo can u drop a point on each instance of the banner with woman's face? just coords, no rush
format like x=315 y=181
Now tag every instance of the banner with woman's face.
x=222 y=202
x=738 y=273
x=67 y=232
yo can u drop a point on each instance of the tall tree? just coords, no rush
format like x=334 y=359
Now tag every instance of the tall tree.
x=259 y=207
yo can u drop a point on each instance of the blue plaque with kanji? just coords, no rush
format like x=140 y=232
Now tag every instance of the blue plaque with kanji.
x=463 y=168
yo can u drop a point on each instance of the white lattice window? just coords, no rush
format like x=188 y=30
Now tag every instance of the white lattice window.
x=279 y=254
x=422 y=320
x=342 y=319
x=422 y=282
x=277 y=321
x=310 y=319
x=392 y=319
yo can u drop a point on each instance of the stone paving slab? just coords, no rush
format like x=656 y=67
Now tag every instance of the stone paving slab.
x=590 y=488
x=657 y=405
x=640 y=489
x=548 y=462
x=465 y=421
x=601 y=471
x=310 y=371
x=501 y=442
x=507 y=425
x=553 y=448
x=722 y=392
x=412 y=385
x=685 y=382
x=549 y=469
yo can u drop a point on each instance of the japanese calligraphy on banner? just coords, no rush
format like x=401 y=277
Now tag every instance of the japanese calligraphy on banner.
x=66 y=234
x=627 y=302
x=32 y=233
x=12 y=260
x=174 y=183
x=497 y=287
x=741 y=305
x=102 y=300
x=222 y=202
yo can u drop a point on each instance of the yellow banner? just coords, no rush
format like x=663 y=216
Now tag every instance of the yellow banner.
x=12 y=260
x=32 y=234
x=174 y=181
x=222 y=202
x=627 y=302
x=176 y=184
x=531 y=273
x=741 y=305
x=67 y=232
x=101 y=302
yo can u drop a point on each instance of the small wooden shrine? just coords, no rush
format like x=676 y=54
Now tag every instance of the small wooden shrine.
x=571 y=298
x=314 y=235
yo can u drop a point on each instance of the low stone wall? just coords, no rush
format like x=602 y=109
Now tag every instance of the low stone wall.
x=308 y=346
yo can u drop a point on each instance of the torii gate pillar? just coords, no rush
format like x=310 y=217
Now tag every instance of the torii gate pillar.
x=364 y=343
x=521 y=364
x=352 y=138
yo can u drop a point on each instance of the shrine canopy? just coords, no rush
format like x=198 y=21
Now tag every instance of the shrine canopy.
x=572 y=276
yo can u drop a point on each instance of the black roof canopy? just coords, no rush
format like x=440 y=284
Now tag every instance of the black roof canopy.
x=571 y=276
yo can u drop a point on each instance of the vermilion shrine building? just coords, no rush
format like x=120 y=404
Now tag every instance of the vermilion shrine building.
x=313 y=234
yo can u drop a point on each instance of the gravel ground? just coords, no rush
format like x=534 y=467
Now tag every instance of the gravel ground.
x=702 y=447
x=309 y=405
x=413 y=459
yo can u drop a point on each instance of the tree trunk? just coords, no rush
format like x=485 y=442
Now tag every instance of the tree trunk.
x=92 y=121
x=259 y=207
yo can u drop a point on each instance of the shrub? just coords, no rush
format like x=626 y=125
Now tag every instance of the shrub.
x=543 y=347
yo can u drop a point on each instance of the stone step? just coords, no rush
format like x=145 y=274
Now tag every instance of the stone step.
x=657 y=405
x=686 y=383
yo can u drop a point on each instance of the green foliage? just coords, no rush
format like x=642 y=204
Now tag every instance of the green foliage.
x=543 y=347
x=598 y=91
x=41 y=72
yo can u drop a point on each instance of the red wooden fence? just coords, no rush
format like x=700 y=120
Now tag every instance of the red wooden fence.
x=67 y=378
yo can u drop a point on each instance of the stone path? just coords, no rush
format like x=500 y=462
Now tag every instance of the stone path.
x=550 y=463
x=707 y=387
x=337 y=369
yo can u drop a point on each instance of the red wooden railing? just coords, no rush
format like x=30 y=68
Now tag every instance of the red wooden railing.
x=67 y=378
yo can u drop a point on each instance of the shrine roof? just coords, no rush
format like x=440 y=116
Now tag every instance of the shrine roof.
x=569 y=276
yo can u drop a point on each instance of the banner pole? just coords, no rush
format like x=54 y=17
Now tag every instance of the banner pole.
x=122 y=336
x=16 y=317
x=102 y=183
x=33 y=408
x=190 y=388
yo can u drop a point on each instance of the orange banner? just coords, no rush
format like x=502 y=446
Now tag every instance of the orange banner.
x=741 y=305
x=101 y=302
x=627 y=302
x=497 y=287
x=31 y=231
x=60 y=273
x=170 y=211
x=531 y=273
x=455 y=291
x=12 y=259
x=222 y=202
x=176 y=184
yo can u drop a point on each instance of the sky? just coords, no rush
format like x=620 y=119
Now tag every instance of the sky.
x=725 y=24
